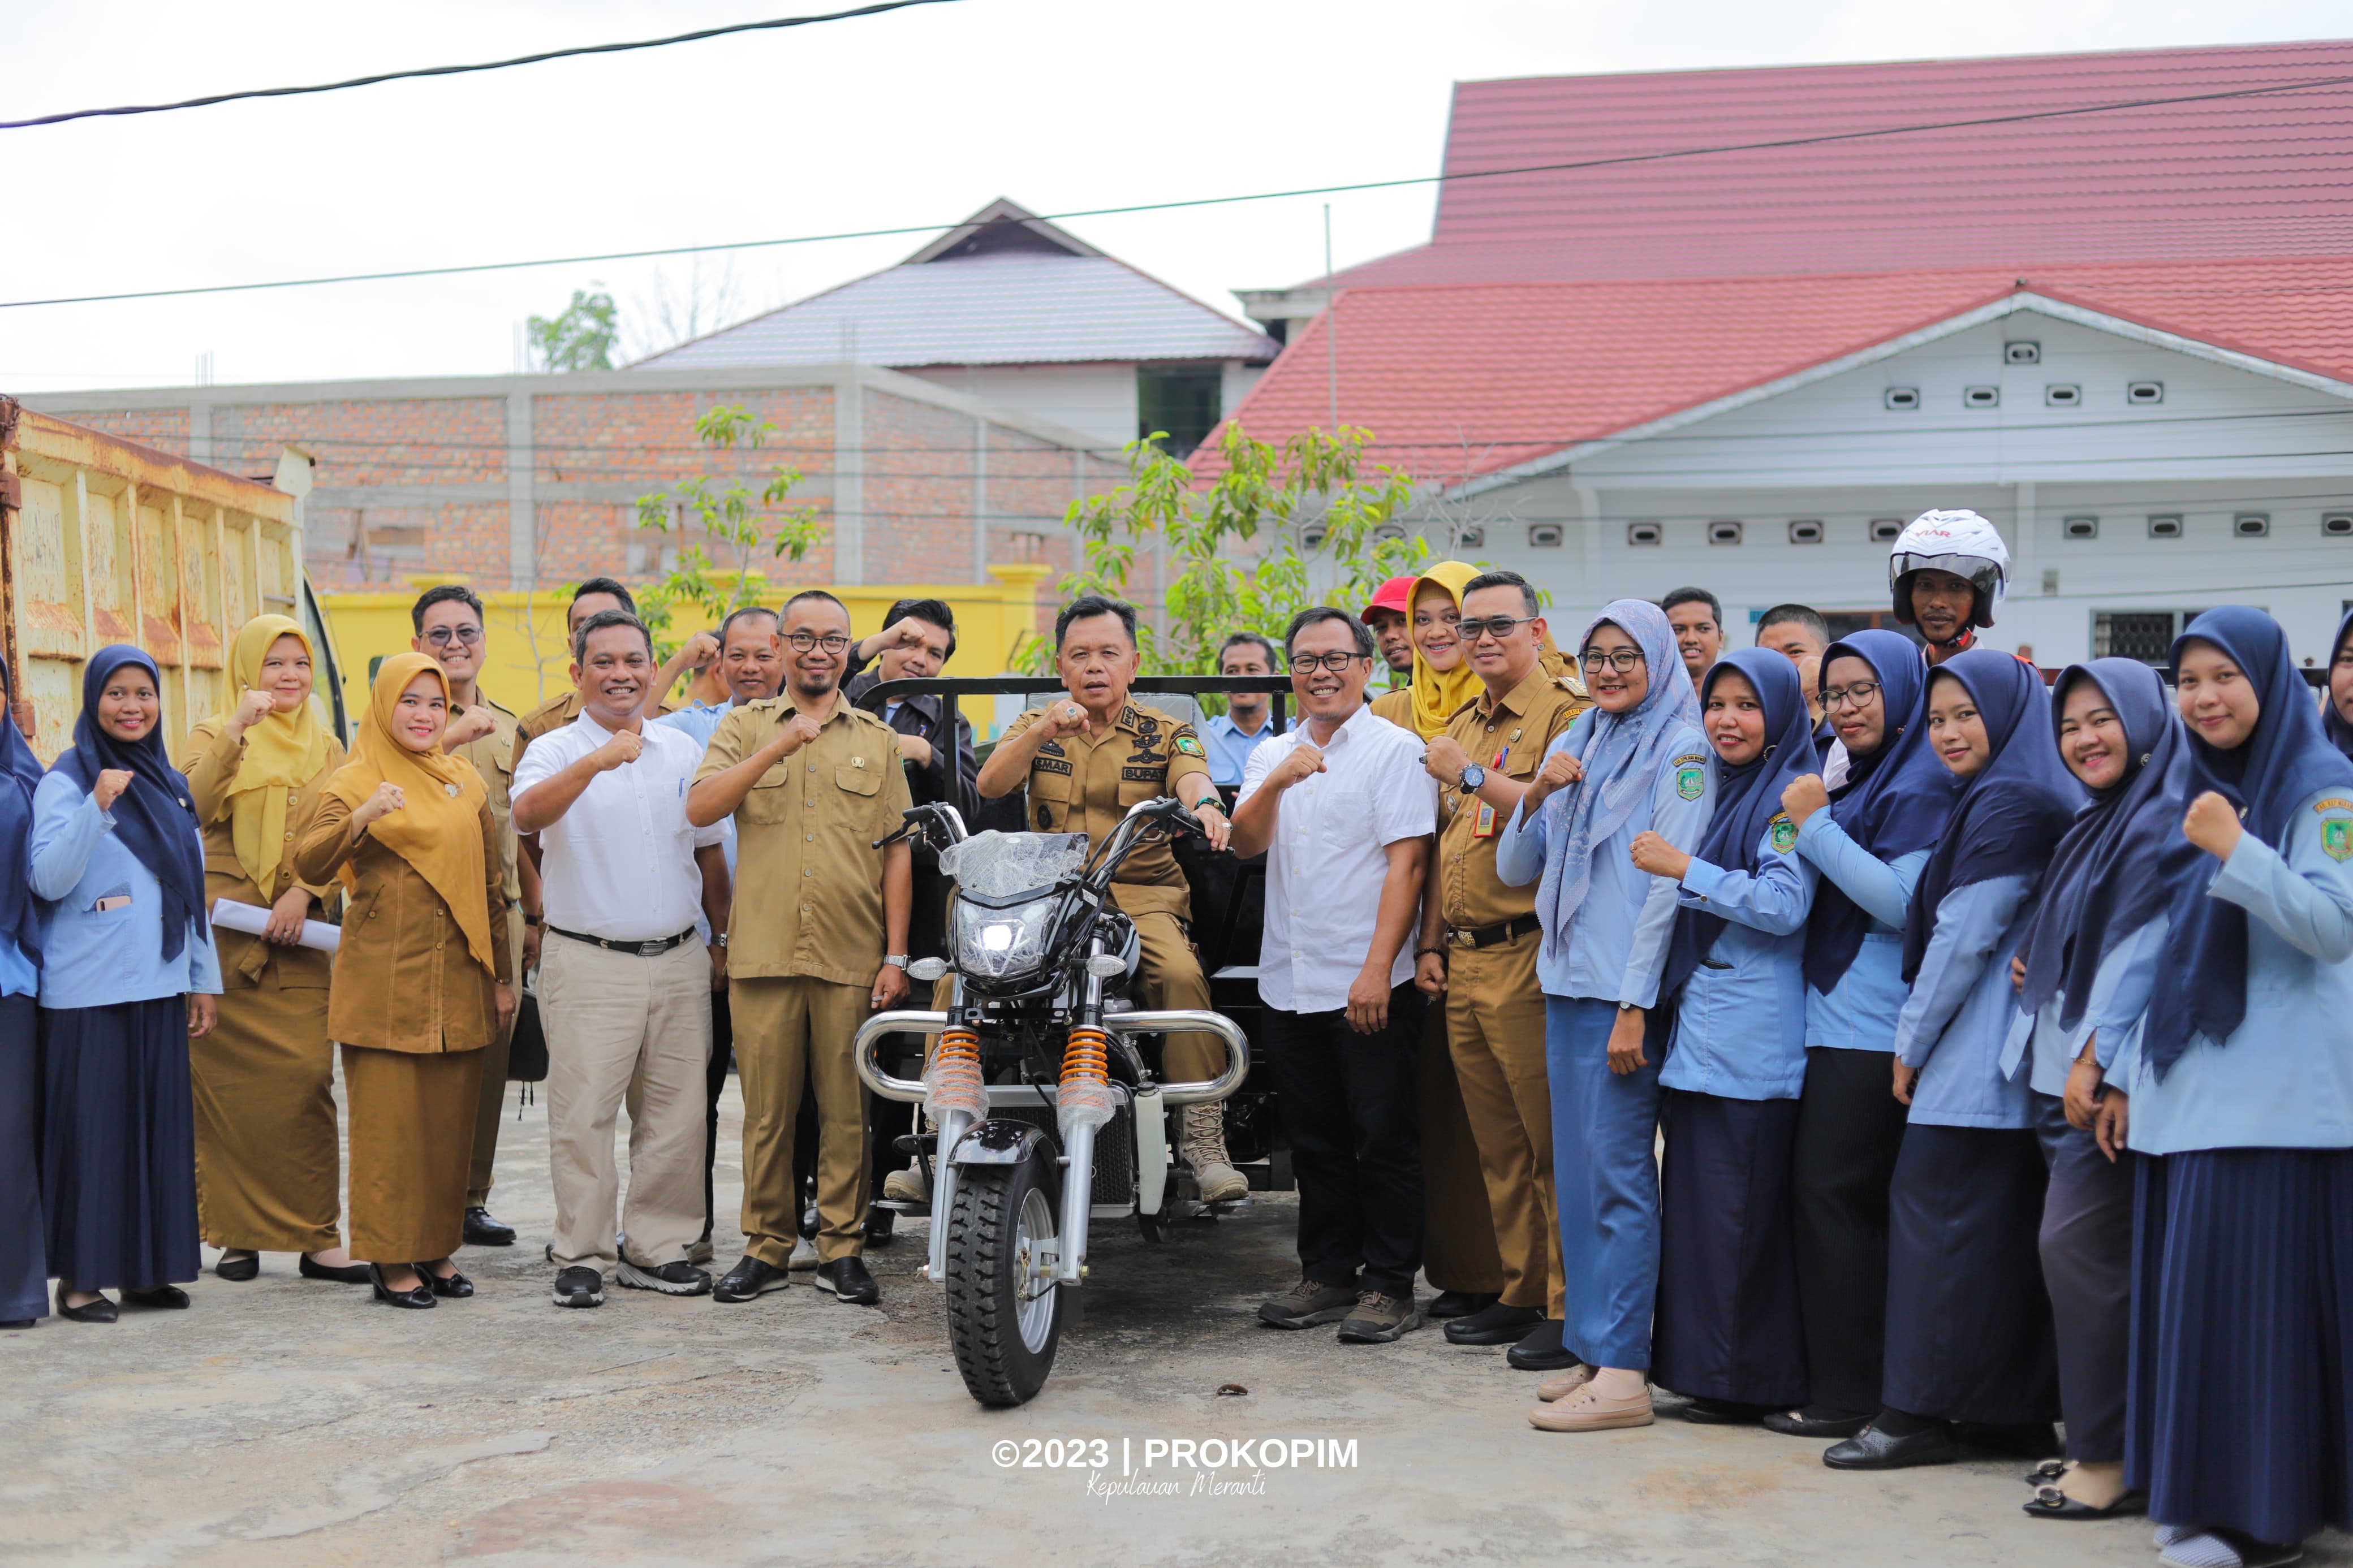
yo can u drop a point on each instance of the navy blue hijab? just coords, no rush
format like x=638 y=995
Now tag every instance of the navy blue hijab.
x=20 y=775
x=155 y=818
x=1747 y=797
x=2104 y=882
x=2012 y=814
x=2332 y=723
x=2203 y=989
x=1895 y=799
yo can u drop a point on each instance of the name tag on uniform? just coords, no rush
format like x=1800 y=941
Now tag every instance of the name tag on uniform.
x=1485 y=826
x=1049 y=764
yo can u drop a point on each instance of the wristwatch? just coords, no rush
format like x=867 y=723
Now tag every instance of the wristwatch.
x=1473 y=775
x=894 y=961
x=718 y=941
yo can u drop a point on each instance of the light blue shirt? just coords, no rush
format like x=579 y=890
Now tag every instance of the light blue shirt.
x=1741 y=1030
x=94 y=959
x=1229 y=746
x=1958 y=1021
x=1617 y=945
x=18 y=977
x=2284 y=1078
x=1859 y=1013
x=2121 y=988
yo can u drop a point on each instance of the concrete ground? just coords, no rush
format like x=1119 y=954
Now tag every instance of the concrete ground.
x=288 y=1422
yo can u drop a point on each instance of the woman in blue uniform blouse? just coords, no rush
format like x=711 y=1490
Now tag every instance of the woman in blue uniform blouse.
x=24 y=1274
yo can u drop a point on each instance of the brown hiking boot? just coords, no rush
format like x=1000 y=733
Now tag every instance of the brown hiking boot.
x=1203 y=1145
x=1379 y=1319
x=1307 y=1303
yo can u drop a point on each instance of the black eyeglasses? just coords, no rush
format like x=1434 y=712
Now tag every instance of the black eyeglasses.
x=1309 y=663
x=1623 y=660
x=442 y=636
x=1854 y=696
x=832 y=642
x=1496 y=626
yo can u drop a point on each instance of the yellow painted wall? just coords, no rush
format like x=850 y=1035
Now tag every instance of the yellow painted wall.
x=528 y=661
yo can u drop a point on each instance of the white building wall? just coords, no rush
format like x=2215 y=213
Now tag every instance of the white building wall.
x=1096 y=399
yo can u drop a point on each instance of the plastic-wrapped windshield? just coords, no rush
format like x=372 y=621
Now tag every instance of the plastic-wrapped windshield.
x=998 y=865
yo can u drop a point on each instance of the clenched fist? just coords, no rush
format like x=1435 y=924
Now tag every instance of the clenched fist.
x=798 y=732
x=1064 y=718
x=1560 y=769
x=469 y=725
x=701 y=649
x=1805 y=795
x=387 y=797
x=251 y=709
x=1303 y=761
x=2213 y=824
x=109 y=788
x=622 y=749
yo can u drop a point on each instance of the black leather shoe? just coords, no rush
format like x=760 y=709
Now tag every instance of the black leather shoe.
x=169 y=1298
x=749 y=1280
x=1540 y=1350
x=1723 y=1412
x=99 y=1311
x=349 y=1274
x=237 y=1270
x=413 y=1300
x=452 y=1284
x=484 y=1230
x=878 y=1222
x=848 y=1278
x=1494 y=1325
x=1818 y=1421
x=1459 y=1303
x=1873 y=1449
x=579 y=1286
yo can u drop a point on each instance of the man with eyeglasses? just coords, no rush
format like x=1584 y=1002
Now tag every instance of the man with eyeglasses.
x=817 y=940
x=1477 y=950
x=448 y=625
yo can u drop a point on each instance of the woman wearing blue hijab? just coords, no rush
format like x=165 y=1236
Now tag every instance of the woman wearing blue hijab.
x=1969 y=1352
x=2337 y=708
x=128 y=978
x=2242 y=1096
x=1632 y=764
x=1727 y=1332
x=1869 y=834
x=24 y=1276
x=2085 y=979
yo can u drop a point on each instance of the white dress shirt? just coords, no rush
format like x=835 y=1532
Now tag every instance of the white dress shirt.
x=1327 y=863
x=620 y=863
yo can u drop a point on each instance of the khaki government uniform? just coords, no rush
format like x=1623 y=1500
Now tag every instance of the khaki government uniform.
x=413 y=1011
x=804 y=943
x=269 y=1168
x=1458 y=1227
x=1087 y=783
x=494 y=757
x=1495 y=1007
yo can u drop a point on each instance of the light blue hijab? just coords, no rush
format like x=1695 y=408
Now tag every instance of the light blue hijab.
x=1622 y=756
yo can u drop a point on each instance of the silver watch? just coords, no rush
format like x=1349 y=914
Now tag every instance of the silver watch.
x=894 y=961
x=1473 y=776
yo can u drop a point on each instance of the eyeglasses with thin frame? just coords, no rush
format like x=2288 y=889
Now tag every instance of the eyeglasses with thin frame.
x=442 y=636
x=832 y=642
x=1623 y=660
x=1857 y=696
x=1496 y=626
x=1309 y=663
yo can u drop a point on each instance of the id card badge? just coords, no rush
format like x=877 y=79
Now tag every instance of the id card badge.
x=1484 y=827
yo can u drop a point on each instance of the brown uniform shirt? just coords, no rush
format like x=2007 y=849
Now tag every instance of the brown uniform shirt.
x=494 y=756
x=1397 y=707
x=809 y=880
x=210 y=761
x=404 y=980
x=1519 y=727
x=1086 y=784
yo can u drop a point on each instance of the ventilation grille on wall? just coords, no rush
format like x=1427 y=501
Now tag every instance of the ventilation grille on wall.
x=2252 y=524
x=1722 y=532
x=2022 y=353
x=2082 y=527
x=1644 y=532
x=2063 y=394
x=2165 y=527
x=1473 y=535
x=2337 y=524
x=1886 y=530
x=1806 y=531
x=1902 y=397
x=1982 y=397
x=2145 y=391
x=1544 y=535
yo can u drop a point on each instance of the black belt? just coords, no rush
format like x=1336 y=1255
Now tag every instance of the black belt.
x=653 y=949
x=1491 y=936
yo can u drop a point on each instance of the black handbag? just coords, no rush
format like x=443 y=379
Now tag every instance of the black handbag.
x=527 y=1050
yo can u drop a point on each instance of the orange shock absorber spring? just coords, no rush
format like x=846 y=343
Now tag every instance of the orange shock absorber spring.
x=954 y=1078
x=1087 y=1058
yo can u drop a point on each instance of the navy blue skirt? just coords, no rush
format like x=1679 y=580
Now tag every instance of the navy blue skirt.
x=24 y=1276
x=2242 y=1341
x=1728 y=1326
x=119 y=1145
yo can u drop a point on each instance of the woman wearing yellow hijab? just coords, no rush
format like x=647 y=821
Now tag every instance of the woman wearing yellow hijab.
x=1442 y=679
x=423 y=977
x=268 y=1176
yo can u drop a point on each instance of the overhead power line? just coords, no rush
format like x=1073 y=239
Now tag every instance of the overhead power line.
x=772 y=25
x=1619 y=160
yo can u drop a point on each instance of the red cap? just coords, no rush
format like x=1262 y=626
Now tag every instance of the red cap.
x=1396 y=594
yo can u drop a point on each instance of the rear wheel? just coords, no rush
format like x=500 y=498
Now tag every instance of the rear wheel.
x=1005 y=1313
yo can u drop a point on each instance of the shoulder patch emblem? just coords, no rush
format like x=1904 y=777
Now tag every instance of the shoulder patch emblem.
x=2325 y=806
x=1690 y=782
x=1785 y=835
x=1190 y=746
x=1691 y=760
x=2337 y=837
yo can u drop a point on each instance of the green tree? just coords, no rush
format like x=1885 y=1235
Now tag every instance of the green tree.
x=582 y=337
x=743 y=522
x=1280 y=530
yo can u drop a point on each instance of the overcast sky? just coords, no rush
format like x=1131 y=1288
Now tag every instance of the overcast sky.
x=917 y=117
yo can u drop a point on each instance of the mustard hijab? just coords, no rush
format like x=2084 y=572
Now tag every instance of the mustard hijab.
x=438 y=830
x=1439 y=695
x=284 y=752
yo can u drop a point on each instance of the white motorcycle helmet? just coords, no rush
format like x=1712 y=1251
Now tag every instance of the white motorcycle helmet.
x=1960 y=543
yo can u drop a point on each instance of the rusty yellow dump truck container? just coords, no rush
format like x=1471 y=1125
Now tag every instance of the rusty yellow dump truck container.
x=105 y=540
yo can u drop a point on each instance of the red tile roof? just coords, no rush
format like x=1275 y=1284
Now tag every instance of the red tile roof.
x=2263 y=176
x=1457 y=381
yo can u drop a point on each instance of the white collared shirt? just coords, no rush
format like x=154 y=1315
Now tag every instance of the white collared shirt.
x=1327 y=863
x=620 y=863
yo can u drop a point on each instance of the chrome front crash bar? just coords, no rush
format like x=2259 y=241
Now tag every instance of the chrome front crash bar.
x=865 y=1050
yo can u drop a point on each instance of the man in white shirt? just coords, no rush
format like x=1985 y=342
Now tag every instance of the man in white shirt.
x=625 y=977
x=1345 y=815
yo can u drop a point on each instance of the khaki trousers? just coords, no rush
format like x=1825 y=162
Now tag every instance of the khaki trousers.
x=1495 y=1025
x=1458 y=1232
x=625 y=1029
x=789 y=1033
x=493 y=1108
x=1171 y=977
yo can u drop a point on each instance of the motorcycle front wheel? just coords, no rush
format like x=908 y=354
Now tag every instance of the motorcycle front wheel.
x=1005 y=1313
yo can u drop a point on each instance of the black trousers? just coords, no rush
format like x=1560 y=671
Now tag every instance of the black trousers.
x=1348 y=1105
x=722 y=1051
x=2086 y=1243
x=1850 y=1131
x=1728 y=1324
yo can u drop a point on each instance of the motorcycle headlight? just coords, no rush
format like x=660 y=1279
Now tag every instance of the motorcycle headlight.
x=997 y=944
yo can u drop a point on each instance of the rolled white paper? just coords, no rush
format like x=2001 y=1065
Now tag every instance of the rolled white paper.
x=232 y=916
